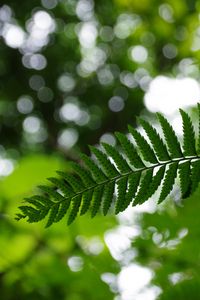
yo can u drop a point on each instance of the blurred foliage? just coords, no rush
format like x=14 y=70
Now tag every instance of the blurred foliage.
x=70 y=58
x=72 y=72
x=169 y=245
x=38 y=264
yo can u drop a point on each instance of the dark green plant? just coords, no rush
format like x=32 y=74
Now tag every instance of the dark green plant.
x=133 y=176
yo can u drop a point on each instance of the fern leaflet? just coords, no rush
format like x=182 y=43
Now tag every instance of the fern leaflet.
x=146 y=180
x=170 y=137
x=157 y=143
x=188 y=135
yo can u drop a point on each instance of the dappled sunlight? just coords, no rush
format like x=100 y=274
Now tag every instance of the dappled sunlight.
x=138 y=53
x=68 y=138
x=167 y=95
x=6 y=167
x=14 y=35
x=133 y=281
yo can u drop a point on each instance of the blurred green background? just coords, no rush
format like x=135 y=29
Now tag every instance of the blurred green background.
x=72 y=73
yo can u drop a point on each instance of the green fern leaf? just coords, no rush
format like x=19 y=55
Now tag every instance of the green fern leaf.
x=96 y=172
x=170 y=137
x=43 y=200
x=19 y=216
x=155 y=183
x=133 y=182
x=86 y=200
x=156 y=141
x=168 y=181
x=107 y=167
x=52 y=214
x=60 y=184
x=76 y=203
x=33 y=214
x=83 y=174
x=195 y=177
x=147 y=153
x=188 y=135
x=75 y=183
x=121 y=192
x=108 y=194
x=63 y=208
x=52 y=193
x=184 y=175
x=37 y=204
x=97 y=197
x=143 y=188
x=128 y=148
x=121 y=164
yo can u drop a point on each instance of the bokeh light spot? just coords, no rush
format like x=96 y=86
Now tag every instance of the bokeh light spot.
x=45 y=94
x=31 y=124
x=75 y=263
x=14 y=35
x=25 y=104
x=66 y=83
x=116 y=104
x=139 y=54
x=68 y=138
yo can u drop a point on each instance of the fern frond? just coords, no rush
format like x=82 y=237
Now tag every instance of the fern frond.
x=63 y=208
x=143 y=187
x=107 y=167
x=195 y=177
x=157 y=143
x=37 y=203
x=76 y=203
x=133 y=182
x=170 y=137
x=107 y=195
x=86 y=200
x=52 y=214
x=75 y=184
x=185 y=182
x=52 y=193
x=130 y=152
x=95 y=171
x=155 y=183
x=120 y=178
x=121 y=192
x=32 y=214
x=168 y=181
x=147 y=152
x=97 y=197
x=188 y=135
x=60 y=184
x=83 y=174
x=120 y=162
